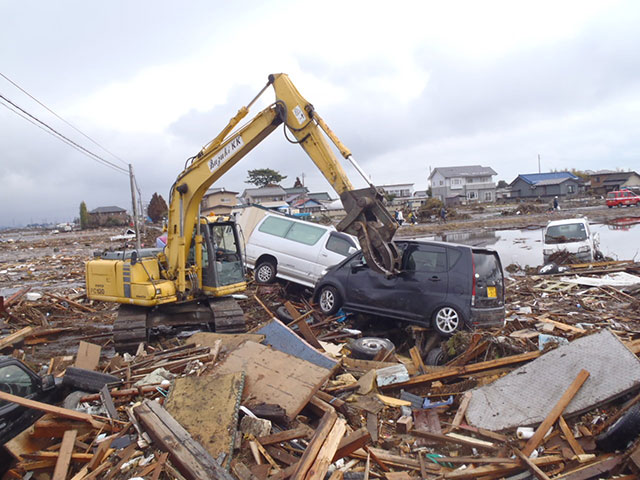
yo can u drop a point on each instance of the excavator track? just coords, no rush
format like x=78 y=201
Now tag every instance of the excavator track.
x=130 y=328
x=133 y=324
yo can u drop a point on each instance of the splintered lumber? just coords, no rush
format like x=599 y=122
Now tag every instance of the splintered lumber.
x=603 y=465
x=555 y=412
x=64 y=456
x=498 y=471
x=327 y=452
x=352 y=442
x=304 y=329
x=191 y=459
x=540 y=475
x=315 y=444
x=457 y=371
x=61 y=412
x=391 y=459
x=284 y=436
x=15 y=337
x=416 y=358
x=462 y=409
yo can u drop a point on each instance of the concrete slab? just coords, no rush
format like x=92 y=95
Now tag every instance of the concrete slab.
x=525 y=396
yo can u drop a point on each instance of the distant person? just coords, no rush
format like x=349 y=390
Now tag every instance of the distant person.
x=556 y=206
x=443 y=214
x=399 y=217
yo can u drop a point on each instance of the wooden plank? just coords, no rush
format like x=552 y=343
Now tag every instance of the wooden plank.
x=191 y=459
x=15 y=337
x=61 y=412
x=335 y=402
x=555 y=412
x=603 y=465
x=498 y=471
x=372 y=426
x=568 y=434
x=311 y=452
x=462 y=409
x=303 y=327
x=532 y=466
x=88 y=356
x=286 y=435
x=325 y=455
x=101 y=453
x=282 y=455
x=351 y=443
x=416 y=358
x=457 y=371
x=125 y=455
x=453 y=438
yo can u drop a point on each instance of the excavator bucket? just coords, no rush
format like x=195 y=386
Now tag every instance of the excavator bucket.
x=369 y=220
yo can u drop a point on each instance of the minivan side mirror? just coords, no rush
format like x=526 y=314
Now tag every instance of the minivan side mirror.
x=134 y=257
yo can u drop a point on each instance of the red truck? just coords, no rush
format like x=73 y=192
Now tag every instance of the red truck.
x=618 y=198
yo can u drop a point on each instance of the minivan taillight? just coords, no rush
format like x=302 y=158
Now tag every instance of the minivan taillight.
x=473 y=285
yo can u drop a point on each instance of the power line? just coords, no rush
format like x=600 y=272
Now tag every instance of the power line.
x=59 y=117
x=67 y=140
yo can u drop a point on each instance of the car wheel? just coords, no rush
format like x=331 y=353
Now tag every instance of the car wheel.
x=265 y=272
x=435 y=357
x=623 y=431
x=447 y=321
x=366 y=348
x=329 y=300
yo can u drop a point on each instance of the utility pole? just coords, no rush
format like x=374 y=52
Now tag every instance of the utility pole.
x=539 y=164
x=135 y=207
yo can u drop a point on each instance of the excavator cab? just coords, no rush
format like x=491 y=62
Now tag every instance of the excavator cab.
x=222 y=264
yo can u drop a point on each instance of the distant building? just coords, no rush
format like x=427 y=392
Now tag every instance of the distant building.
x=545 y=185
x=399 y=190
x=605 y=181
x=219 y=201
x=263 y=195
x=468 y=184
x=108 y=216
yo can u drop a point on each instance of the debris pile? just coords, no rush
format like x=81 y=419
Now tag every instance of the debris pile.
x=287 y=399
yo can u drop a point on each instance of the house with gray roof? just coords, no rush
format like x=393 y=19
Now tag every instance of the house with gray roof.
x=108 y=216
x=263 y=195
x=545 y=185
x=604 y=181
x=467 y=184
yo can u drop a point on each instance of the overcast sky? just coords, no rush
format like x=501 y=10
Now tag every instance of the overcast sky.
x=407 y=86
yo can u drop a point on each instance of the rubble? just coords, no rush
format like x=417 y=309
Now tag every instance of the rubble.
x=286 y=400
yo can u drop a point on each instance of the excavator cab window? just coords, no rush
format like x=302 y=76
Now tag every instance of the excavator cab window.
x=227 y=268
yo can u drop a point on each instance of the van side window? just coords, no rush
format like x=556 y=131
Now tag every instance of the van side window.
x=453 y=256
x=431 y=260
x=307 y=234
x=338 y=245
x=275 y=226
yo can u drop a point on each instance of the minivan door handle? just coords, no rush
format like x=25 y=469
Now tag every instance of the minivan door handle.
x=435 y=278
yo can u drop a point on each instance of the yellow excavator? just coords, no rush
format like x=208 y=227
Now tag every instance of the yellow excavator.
x=192 y=281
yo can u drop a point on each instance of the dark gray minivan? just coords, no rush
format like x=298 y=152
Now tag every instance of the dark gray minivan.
x=441 y=285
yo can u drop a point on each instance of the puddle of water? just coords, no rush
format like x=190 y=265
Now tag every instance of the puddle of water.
x=619 y=239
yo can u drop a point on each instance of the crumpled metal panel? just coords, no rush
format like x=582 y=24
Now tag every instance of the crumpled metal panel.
x=525 y=396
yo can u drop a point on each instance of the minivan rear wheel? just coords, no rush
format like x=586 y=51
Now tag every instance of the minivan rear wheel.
x=447 y=321
x=329 y=300
x=265 y=272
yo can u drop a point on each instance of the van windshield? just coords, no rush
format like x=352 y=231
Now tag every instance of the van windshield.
x=574 y=232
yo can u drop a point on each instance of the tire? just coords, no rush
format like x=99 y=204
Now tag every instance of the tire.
x=265 y=272
x=366 y=348
x=283 y=314
x=329 y=300
x=623 y=431
x=72 y=400
x=446 y=321
x=435 y=356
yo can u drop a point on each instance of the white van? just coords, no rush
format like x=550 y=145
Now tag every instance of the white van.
x=285 y=247
x=573 y=236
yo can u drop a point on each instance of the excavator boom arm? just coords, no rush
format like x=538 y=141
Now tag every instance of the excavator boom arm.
x=367 y=218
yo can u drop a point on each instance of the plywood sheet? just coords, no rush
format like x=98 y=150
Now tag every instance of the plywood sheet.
x=88 y=356
x=275 y=377
x=207 y=408
x=526 y=395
